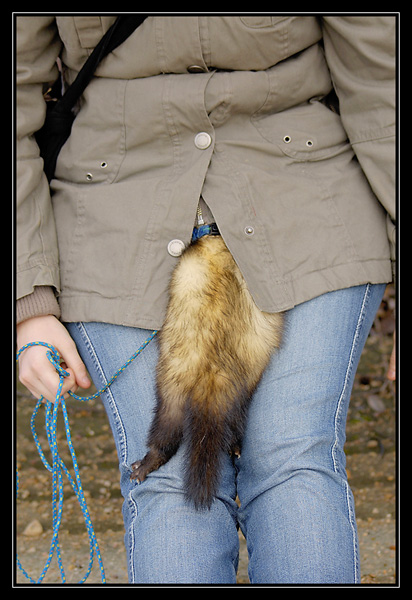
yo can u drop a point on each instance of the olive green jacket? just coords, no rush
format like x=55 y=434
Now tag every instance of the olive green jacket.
x=295 y=158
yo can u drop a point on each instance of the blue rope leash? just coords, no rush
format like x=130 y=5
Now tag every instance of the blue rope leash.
x=57 y=468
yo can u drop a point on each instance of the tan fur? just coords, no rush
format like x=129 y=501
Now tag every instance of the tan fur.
x=214 y=347
x=212 y=312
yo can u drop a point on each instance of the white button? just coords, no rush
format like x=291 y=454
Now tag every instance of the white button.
x=196 y=69
x=203 y=140
x=175 y=247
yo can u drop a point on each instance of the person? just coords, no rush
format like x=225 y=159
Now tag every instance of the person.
x=279 y=128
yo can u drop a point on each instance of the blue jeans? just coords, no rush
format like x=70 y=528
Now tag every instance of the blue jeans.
x=296 y=508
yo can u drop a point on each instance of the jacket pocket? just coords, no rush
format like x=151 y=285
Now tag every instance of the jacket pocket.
x=257 y=22
x=91 y=29
x=79 y=36
x=95 y=148
x=308 y=132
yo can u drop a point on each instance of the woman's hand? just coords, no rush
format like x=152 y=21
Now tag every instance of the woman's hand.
x=36 y=371
x=391 y=374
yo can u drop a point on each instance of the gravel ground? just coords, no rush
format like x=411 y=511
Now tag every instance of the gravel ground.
x=371 y=466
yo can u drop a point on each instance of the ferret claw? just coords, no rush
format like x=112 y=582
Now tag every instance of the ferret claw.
x=135 y=472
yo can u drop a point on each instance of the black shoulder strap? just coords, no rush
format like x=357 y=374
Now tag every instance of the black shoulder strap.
x=114 y=36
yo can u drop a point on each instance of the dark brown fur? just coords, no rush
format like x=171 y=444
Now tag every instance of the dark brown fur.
x=214 y=347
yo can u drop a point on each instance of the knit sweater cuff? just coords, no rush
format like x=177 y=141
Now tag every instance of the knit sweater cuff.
x=40 y=302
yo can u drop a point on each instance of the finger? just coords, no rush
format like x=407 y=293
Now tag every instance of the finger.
x=69 y=383
x=391 y=374
x=51 y=383
x=75 y=365
x=45 y=385
x=40 y=377
x=32 y=363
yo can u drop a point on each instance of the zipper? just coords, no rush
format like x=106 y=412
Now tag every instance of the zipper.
x=200 y=219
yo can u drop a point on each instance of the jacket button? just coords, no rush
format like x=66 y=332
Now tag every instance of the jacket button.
x=203 y=140
x=175 y=247
x=196 y=69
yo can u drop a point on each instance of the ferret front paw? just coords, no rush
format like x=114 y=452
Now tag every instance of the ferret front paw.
x=139 y=473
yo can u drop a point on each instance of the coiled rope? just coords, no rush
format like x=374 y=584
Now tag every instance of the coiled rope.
x=57 y=468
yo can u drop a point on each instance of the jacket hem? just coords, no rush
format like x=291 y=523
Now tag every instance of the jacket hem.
x=92 y=308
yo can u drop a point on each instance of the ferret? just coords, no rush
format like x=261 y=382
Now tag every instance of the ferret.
x=214 y=346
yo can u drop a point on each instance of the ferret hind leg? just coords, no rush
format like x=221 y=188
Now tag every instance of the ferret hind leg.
x=163 y=441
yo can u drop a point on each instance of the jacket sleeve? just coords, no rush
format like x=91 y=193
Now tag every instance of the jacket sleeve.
x=361 y=55
x=37 y=47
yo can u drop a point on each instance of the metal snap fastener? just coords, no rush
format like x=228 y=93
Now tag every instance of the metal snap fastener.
x=287 y=139
x=196 y=69
x=203 y=140
x=89 y=176
x=175 y=247
x=249 y=230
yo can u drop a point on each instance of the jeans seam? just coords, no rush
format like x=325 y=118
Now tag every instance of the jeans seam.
x=133 y=511
x=352 y=521
x=111 y=399
x=348 y=373
x=354 y=346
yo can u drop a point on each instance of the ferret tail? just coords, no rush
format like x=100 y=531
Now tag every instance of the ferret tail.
x=210 y=438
